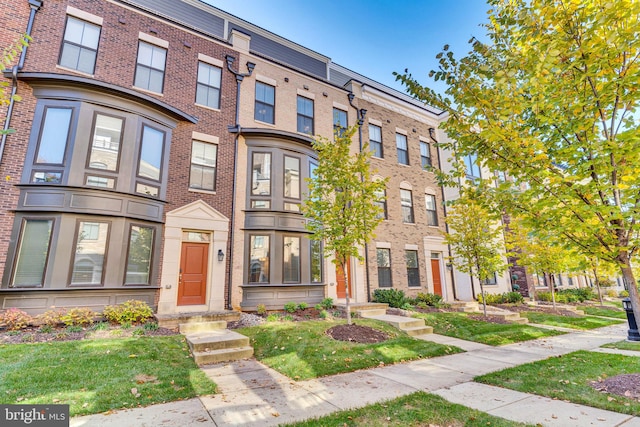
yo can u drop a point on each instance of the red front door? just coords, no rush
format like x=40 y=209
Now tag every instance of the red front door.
x=192 y=283
x=435 y=272
x=341 y=291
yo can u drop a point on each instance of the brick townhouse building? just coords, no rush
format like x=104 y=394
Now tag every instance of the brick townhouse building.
x=161 y=151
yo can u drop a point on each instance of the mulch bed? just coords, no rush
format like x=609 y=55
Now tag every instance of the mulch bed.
x=34 y=335
x=356 y=333
x=627 y=385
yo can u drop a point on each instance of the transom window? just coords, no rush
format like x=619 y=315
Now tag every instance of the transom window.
x=425 y=154
x=403 y=152
x=406 y=201
x=375 y=140
x=208 y=86
x=265 y=103
x=305 y=115
x=383 y=256
x=80 y=45
x=432 y=212
x=413 y=270
x=203 y=166
x=150 y=67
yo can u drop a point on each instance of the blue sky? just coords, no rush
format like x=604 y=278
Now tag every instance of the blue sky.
x=371 y=37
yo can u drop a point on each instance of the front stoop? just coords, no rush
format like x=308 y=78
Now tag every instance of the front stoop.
x=510 y=317
x=466 y=306
x=363 y=308
x=413 y=327
x=218 y=345
x=172 y=321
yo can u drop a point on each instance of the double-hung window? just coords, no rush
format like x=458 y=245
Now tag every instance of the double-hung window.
x=150 y=161
x=406 y=201
x=383 y=256
x=339 y=122
x=472 y=167
x=265 y=103
x=305 y=115
x=208 y=86
x=403 y=151
x=150 y=67
x=80 y=45
x=425 y=154
x=375 y=141
x=381 y=201
x=413 y=270
x=432 y=212
x=203 y=166
x=52 y=145
x=316 y=261
x=291 y=259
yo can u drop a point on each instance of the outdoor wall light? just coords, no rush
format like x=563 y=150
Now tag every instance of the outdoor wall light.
x=450 y=267
x=220 y=255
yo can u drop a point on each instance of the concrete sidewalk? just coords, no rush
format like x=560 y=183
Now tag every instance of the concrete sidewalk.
x=251 y=394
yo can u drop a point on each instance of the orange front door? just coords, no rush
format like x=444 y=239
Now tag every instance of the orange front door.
x=435 y=272
x=341 y=290
x=192 y=283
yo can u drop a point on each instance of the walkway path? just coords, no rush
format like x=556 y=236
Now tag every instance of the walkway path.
x=251 y=394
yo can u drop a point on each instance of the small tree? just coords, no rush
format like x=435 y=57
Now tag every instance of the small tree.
x=341 y=205
x=476 y=239
x=538 y=251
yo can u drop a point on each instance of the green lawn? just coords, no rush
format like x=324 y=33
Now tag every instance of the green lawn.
x=577 y=322
x=459 y=325
x=302 y=350
x=417 y=409
x=94 y=376
x=624 y=345
x=604 y=311
x=568 y=378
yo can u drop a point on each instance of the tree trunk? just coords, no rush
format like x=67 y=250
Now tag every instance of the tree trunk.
x=551 y=287
x=597 y=279
x=484 y=297
x=630 y=282
x=347 y=282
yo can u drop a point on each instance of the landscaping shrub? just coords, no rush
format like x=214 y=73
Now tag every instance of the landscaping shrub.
x=327 y=303
x=578 y=295
x=290 y=307
x=51 y=317
x=624 y=294
x=433 y=300
x=15 y=319
x=393 y=297
x=407 y=306
x=610 y=293
x=302 y=306
x=261 y=309
x=505 y=298
x=79 y=316
x=128 y=312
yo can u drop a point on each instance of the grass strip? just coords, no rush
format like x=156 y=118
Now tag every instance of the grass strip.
x=416 y=409
x=459 y=325
x=95 y=376
x=302 y=350
x=624 y=345
x=574 y=322
x=604 y=312
x=568 y=378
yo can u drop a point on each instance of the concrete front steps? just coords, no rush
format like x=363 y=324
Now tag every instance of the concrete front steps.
x=466 y=306
x=413 y=327
x=210 y=341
